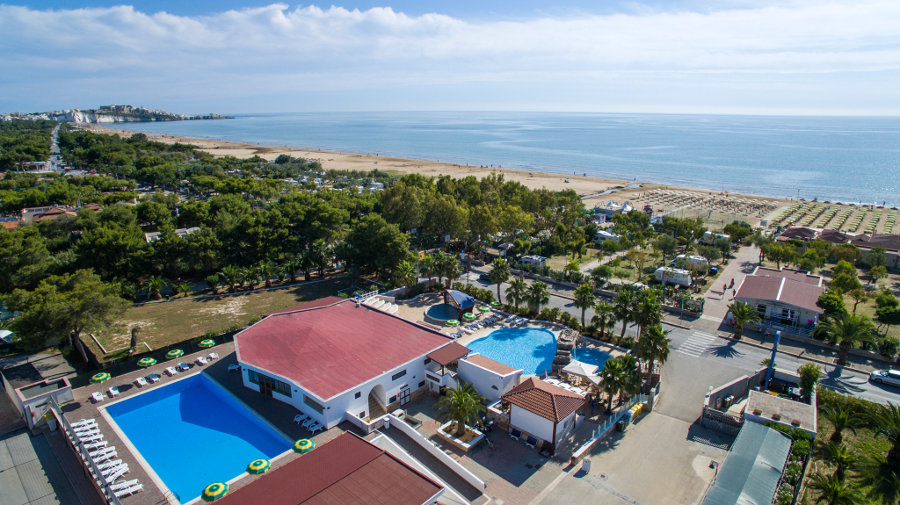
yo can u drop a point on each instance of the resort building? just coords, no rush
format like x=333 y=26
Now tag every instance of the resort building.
x=541 y=410
x=603 y=235
x=333 y=359
x=345 y=470
x=533 y=260
x=784 y=299
x=490 y=378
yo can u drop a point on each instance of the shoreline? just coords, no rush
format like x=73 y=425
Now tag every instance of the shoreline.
x=716 y=207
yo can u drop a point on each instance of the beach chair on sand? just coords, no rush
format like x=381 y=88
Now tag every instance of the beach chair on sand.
x=129 y=491
x=140 y=382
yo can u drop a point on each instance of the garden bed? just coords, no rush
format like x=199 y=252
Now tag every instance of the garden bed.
x=470 y=439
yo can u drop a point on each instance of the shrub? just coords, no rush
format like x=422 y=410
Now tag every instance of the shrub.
x=800 y=449
x=793 y=472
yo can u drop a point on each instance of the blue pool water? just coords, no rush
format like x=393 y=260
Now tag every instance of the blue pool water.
x=442 y=312
x=193 y=433
x=531 y=349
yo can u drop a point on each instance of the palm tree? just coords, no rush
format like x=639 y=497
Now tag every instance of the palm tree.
x=611 y=379
x=604 y=318
x=320 y=254
x=842 y=419
x=838 y=455
x=461 y=404
x=499 y=274
x=447 y=266
x=517 y=291
x=654 y=346
x=266 y=270
x=847 y=330
x=624 y=307
x=880 y=476
x=181 y=287
x=632 y=380
x=154 y=287
x=291 y=267
x=834 y=491
x=885 y=421
x=742 y=313
x=306 y=262
x=426 y=266
x=538 y=296
x=647 y=310
x=405 y=274
x=249 y=276
x=584 y=299
x=231 y=277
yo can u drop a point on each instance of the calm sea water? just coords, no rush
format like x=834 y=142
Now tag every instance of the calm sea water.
x=849 y=159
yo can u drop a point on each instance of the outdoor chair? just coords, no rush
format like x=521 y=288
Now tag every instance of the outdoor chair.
x=234 y=366
x=83 y=422
x=213 y=355
x=201 y=360
x=96 y=396
x=309 y=422
x=85 y=429
x=120 y=471
x=106 y=456
x=101 y=452
x=124 y=484
x=90 y=438
x=170 y=371
x=184 y=367
x=140 y=382
x=154 y=378
x=93 y=446
x=515 y=434
x=109 y=464
x=531 y=442
x=315 y=428
x=129 y=491
x=299 y=418
x=82 y=435
x=113 y=391
x=109 y=471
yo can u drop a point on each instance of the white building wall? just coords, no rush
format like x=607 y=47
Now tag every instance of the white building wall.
x=531 y=423
x=490 y=384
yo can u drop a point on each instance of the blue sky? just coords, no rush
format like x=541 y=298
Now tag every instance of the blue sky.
x=681 y=56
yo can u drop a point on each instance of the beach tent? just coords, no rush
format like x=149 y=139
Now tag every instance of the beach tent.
x=460 y=300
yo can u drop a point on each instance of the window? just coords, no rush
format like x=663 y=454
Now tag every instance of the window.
x=761 y=310
x=495 y=387
x=392 y=399
x=266 y=382
x=421 y=384
x=312 y=403
x=433 y=378
x=398 y=375
x=427 y=360
x=357 y=395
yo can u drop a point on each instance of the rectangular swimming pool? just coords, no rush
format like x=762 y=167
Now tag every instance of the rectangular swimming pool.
x=193 y=433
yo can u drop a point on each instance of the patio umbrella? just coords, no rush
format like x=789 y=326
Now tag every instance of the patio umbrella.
x=496 y=304
x=207 y=343
x=303 y=445
x=148 y=361
x=451 y=323
x=468 y=316
x=258 y=466
x=97 y=378
x=484 y=308
x=174 y=353
x=214 y=491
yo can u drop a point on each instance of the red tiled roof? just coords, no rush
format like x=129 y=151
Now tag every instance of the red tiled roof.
x=345 y=471
x=544 y=399
x=798 y=232
x=781 y=289
x=795 y=275
x=835 y=236
x=888 y=242
x=488 y=363
x=328 y=348
x=449 y=353
x=10 y=225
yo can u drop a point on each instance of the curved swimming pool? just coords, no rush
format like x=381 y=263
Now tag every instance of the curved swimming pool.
x=531 y=349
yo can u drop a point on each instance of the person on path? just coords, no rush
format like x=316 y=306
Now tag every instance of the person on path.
x=733 y=293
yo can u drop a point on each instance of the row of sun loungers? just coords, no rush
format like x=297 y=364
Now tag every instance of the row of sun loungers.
x=153 y=378
x=309 y=423
x=87 y=431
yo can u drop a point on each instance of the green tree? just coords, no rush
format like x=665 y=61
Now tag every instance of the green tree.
x=841 y=419
x=810 y=373
x=155 y=286
x=405 y=274
x=666 y=245
x=604 y=318
x=885 y=421
x=834 y=491
x=653 y=346
x=876 y=257
x=742 y=314
x=846 y=331
x=266 y=270
x=517 y=291
x=624 y=308
x=446 y=265
x=584 y=299
x=538 y=296
x=231 y=277
x=647 y=310
x=24 y=258
x=877 y=273
x=832 y=303
x=880 y=476
x=600 y=274
x=376 y=246
x=839 y=456
x=638 y=259
x=462 y=405
x=858 y=295
x=763 y=241
x=64 y=306
x=499 y=274
x=723 y=245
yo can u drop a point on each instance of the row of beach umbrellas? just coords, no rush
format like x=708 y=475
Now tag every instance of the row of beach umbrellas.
x=470 y=316
x=148 y=361
x=259 y=466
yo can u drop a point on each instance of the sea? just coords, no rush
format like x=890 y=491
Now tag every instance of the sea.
x=845 y=159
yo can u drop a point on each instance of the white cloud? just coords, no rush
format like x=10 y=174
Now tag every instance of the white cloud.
x=290 y=53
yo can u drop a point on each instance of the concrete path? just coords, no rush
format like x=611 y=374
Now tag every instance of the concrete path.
x=30 y=474
x=717 y=299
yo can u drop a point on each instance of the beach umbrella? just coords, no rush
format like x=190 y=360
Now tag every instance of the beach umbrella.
x=468 y=316
x=207 y=343
x=451 y=322
x=258 y=466
x=148 y=361
x=484 y=308
x=174 y=353
x=97 y=378
x=495 y=304
x=303 y=445
x=214 y=491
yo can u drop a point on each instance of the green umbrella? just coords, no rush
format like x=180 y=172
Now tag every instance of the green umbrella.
x=484 y=308
x=468 y=316
x=207 y=343
x=495 y=304
x=148 y=361
x=214 y=491
x=303 y=445
x=258 y=466
x=452 y=322
x=97 y=378
x=174 y=353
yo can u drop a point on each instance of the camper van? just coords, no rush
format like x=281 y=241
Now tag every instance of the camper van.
x=693 y=261
x=675 y=276
x=710 y=237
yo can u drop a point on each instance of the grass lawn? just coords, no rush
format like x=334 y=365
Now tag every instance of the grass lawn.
x=166 y=323
x=868 y=308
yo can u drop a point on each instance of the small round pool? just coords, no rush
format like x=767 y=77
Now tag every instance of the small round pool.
x=531 y=349
x=440 y=313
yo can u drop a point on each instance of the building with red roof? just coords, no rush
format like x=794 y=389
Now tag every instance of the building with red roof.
x=347 y=471
x=334 y=358
x=784 y=299
x=542 y=411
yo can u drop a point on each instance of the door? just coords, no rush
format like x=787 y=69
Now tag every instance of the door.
x=265 y=387
x=404 y=396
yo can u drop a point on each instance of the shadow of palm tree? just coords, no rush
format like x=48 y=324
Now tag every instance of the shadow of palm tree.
x=725 y=350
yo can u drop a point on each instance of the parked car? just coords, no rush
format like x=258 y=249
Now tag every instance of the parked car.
x=486 y=277
x=891 y=377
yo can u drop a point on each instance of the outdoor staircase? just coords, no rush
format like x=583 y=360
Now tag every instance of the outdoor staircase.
x=375 y=409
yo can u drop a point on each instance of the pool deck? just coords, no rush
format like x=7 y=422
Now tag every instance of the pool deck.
x=278 y=414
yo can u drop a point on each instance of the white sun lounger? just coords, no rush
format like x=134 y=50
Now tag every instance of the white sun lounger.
x=316 y=427
x=91 y=438
x=129 y=491
x=299 y=418
x=96 y=445
x=106 y=456
x=184 y=367
x=113 y=391
x=96 y=396
x=140 y=382
x=87 y=433
x=201 y=360
x=83 y=422
x=153 y=378
x=120 y=471
x=124 y=484
x=101 y=452
x=213 y=355
x=394 y=309
x=113 y=469
x=84 y=430
x=109 y=464
x=170 y=371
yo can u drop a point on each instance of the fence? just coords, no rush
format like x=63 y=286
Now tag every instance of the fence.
x=604 y=429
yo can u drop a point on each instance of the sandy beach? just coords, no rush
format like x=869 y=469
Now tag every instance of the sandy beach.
x=716 y=208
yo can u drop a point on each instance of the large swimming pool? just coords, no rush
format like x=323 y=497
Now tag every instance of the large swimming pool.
x=193 y=433
x=531 y=349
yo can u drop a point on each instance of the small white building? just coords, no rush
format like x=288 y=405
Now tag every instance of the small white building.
x=541 y=410
x=690 y=261
x=675 y=276
x=490 y=378
x=534 y=260
x=334 y=359
x=784 y=299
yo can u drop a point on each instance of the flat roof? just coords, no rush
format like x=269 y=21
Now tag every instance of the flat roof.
x=449 y=353
x=489 y=364
x=793 y=413
x=328 y=347
x=345 y=471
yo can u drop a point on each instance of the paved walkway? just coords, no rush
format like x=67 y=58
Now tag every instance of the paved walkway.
x=30 y=474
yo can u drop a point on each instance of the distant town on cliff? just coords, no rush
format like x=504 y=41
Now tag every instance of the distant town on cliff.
x=109 y=114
